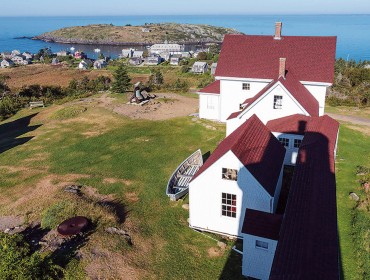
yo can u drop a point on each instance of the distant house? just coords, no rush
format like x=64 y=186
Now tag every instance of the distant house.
x=85 y=64
x=28 y=55
x=138 y=54
x=185 y=54
x=80 y=55
x=6 y=55
x=55 y=61
x=175 y=61
x=63 y=53
x=127 y=53
x=244 y=172
x=135 y=61
x=153 y=60
x=100 y=63
x=165 y=55
x=213 y=68
x=159 y=48
x=16 y=52
x=145 y=30
x=5 y=63
x=20 y=60
x=199 y=67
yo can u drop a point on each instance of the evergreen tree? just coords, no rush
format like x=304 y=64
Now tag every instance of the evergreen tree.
x=121 y=80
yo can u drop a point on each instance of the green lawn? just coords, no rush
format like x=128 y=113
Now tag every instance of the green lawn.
x=143 y=154
x=354 y=222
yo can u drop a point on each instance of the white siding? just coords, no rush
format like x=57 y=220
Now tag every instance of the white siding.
x=319 y=93
x=232 y=95
x=205 y=194
x=264 y=108
x=209 y=106
x=291 y=152
x=257 y=262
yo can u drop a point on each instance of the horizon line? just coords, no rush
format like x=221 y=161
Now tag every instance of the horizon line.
x=210 y=14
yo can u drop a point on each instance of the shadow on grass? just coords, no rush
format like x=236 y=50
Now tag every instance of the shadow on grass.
x=233 y=267
x=33 y=235
x=69 y=249
x=9 y=132
x=117 y=208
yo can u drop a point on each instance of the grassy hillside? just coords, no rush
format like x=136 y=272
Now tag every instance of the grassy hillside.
x=107 y=34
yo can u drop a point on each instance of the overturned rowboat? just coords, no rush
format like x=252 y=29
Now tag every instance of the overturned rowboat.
x=178 y=184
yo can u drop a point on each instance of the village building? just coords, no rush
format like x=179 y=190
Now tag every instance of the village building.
x=175 y=60
x=6 y=55
x=270 y=76
x=20 y=60
x=100 y=64
x=138 y=54
x=28 y=55
x=165 y=55
x=199 y=67
x=85 y=64
x=145 y=30
x=127 y=53
x=80 y=55
x=159 y=48
x=15 y=52
x=55 y=61
x=135 y=61
x=5 y=63
x=63 y=53
x=245 y=171
x=153 y=60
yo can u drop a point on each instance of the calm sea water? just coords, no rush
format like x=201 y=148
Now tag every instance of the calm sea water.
x=353 y=31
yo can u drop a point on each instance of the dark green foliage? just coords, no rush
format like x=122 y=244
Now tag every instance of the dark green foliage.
x=178 y=85
x=121 y=80
x=184 y=69
x=202 y=56
x=156 y=79
x=17 y=261
x=352 y=84
x=3 y=86
x=9 y=105
x=205 y=81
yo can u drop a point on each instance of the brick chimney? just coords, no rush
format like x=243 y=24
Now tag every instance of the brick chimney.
x=282 y=67
x=278 y=26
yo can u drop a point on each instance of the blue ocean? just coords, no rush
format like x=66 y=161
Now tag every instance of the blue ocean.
x=353 y=31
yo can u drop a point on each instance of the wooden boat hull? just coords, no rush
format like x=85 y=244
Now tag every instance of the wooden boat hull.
x=178 y=184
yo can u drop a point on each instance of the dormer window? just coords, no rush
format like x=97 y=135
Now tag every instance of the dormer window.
x=246 y=86
x=278 y=102
x=230 y=174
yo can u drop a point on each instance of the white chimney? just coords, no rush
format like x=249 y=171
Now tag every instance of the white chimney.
x=282 y=67
x=278 y=26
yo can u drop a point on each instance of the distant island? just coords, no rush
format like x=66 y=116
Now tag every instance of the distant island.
x=108 y=34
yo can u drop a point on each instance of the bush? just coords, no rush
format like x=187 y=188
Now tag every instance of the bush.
x=9 y=105
x=178 y=85
x=17 y=262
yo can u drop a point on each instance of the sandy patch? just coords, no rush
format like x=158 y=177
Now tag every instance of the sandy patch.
x=132 y=197
x=215 y=252
x=116 y=180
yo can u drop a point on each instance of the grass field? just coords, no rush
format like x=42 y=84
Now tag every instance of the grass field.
x=128 y=162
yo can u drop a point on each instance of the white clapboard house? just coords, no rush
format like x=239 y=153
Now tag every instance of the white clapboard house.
x=245 y=171
x=270 y=76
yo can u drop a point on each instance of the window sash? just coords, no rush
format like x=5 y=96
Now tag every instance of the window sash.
x=246 y=86
x=228 y=205
x=229 y=174
x=284 y=141
x=262 y=245
x=297 y=143
x=278 y=102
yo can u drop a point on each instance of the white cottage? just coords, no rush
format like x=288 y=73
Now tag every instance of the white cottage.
x=271 y=76
x=199 y=67
x=84 y=64
x=245 y=171
x=7 y=63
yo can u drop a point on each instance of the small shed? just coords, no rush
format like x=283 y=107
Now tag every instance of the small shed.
x=135 y=61
x=175 y=60
x=138 y=54
x=213 y=68
x=100 y=63
x=199 y=67
x=55 y=61
x=153 y=60
x=85 y=64
x=127 y=53
x=5 y=63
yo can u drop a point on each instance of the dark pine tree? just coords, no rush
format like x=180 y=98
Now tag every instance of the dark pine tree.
x=121 y=80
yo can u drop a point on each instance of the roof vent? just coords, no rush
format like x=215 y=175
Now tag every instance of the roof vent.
x=278 y=26
x=282 y=67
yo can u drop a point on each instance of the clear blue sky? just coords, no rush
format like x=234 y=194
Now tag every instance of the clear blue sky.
x=186 y=7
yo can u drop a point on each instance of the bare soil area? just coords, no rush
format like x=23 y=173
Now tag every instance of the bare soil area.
x=164 y=106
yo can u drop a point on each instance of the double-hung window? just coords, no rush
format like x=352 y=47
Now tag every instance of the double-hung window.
x=284 y=141
x=246 y=86
x=228 y=205
x=278 y=102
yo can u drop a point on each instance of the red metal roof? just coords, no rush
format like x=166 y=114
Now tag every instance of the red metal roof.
x=252 y=56
x=308 y=245
x=294 y=124
x=259 y=151
x=262 y=224
x=296 y=89
x=212 y=88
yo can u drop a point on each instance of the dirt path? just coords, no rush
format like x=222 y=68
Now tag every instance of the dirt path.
x=164 y=106
x=351 y=119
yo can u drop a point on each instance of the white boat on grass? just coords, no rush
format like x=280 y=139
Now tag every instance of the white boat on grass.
x=178 y=184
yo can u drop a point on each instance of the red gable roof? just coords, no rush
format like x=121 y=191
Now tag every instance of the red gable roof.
x=212 y=88
x=262 y=224
x=295 y=124
x=259 y=151
x=296 y=89
x=308 y=244
x=252 y=56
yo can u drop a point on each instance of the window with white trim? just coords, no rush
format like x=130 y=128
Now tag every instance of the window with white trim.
x=297 y=143
x=228 y=205
x=284 y=141
x=210 y=103
x=230 y=174
x=246 y=86
x=278 y=102
x=262 y=245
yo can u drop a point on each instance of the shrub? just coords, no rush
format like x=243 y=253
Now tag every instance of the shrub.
x=17 y=262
